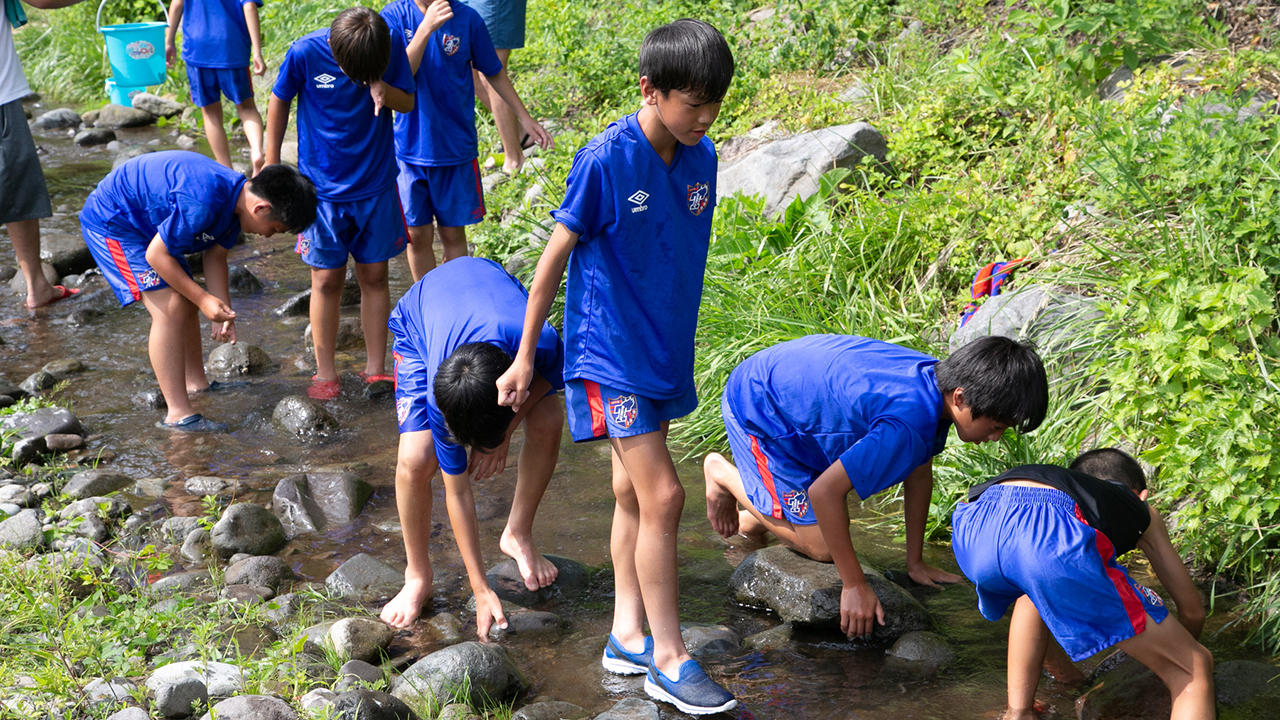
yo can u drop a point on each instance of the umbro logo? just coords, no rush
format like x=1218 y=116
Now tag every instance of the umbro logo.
x=324 y=80
x=637 y=198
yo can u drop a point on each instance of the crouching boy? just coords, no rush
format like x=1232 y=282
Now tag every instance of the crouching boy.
x=142 y=219
x=454 y=333
x=1045 y=539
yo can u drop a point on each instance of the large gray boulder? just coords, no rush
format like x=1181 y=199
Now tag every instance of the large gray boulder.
x=788 y=168
x=486 y=670
x=319 y=501
x=219 y=679
x=66 y=252
x=158 y=106
x=247 y=528
x=41 y=422
x=238 y=360
x=118 y=116
x=365 y=704
x=95 y=482
x=807 y=592
x=358 y=638
x=303 y=417
x=57 y=119
x=364 y=578
x=266 y=571
x=1047 y=318
x=23 y=531
x=251 y=707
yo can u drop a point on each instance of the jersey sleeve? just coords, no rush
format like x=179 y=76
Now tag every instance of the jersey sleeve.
x=584 y=197
x=883 y=457
x=250 y=2
x=189 y=218
x=483 y=57
x=398 y=74
x=288 y=80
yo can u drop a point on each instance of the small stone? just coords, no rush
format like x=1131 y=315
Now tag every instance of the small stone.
x=62 y=442
x=359 y=638
x=206 y=485
x=94 y=136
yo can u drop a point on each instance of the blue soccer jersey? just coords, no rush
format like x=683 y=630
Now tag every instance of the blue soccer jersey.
x=635 y=276
x=186 y=198
x=872 y=405
x=215 y=34
x=463 y=301
x=441 y=130
x=344 y=148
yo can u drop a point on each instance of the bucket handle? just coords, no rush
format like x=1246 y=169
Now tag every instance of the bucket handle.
x=98 y=21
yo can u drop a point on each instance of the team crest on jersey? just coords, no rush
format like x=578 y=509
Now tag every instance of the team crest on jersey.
x=699 y=196
x=796 y=501
x=1151 y=596
x=303 y=246
x=623 y=410
x=402 y=409
x=149 y=279
x=450 y=43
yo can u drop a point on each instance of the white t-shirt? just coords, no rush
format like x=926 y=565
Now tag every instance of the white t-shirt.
x=13 y=83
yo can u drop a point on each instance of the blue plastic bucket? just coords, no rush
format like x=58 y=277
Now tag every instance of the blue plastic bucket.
x=123 y=94
x=135 y=50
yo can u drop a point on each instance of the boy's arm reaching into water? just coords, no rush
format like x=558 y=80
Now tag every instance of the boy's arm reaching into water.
x=513 y=385
x=858 y=602
x=1173 y=575
x=917 y=494
x=216 y=277
x=169 y=270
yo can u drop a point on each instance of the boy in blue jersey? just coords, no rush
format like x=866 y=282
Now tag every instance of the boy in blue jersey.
x=454 y=333
x=436 y=146
x=634 y=229
x=343 y=76
x=147 y=214
x=1045 y=539
x=811 y=419
x=219 y=39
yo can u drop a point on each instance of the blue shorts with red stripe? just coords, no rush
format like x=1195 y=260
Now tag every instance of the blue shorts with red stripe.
x=777 y=486
x=1016 y=540
x=124 y=264
x=370 y=230
x=449 y=195
x=208 y=85
x=598 y=411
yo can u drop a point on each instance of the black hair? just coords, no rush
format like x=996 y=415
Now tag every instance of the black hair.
x=1111 y=464
x=291 y=194
x=361 y=43
x=1002 y=379
x=467 y=394
x=687 y=55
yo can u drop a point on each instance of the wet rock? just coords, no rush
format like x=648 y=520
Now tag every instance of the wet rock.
x=350 y=336
x=22 y=532
x=631 y=709
x=806 y=592
x=571 y=582
x=264 y=570
x=206 y=485
x=158 y=106
x=247 y=528
x=785 y=169
x=90 y=117
x=924 y=648
x=242 y=281
x=185 y=141
x=66 y=252
x=197 y=547
x=364 y=578
x=149 y=400
x=28 y=451
x=62 y=442
x=94 y=136
x=550 y=710
x=319 y=501
x=57 y=119
x=183 y=582
x=108 y=692
x=778 y=636
x=64 y=368
x=303 y=417
x=119 y=116
x=247 y=594
x=355 y=672
x=448 y=626
x=96 y=482
x=486 y=670
x=251 y=707
x=1128 y=691
x=1247 y=684
x=295 y=306
x=238 y=360
x=10 y=389
x=1048 y=319
x=710 y=640
x=365 y=704
x=359 y=638
x=528 y=622
x=42 y=422
x=38 y=381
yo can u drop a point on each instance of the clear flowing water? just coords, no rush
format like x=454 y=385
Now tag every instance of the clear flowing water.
x=814 y=677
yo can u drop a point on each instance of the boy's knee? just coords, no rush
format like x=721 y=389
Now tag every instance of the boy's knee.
x=547 y=418
x=327 y=283
x=816 y=552
x=372 y=276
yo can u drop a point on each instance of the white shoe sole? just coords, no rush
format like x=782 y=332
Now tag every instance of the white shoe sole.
x=620 y=666
x=656 y=692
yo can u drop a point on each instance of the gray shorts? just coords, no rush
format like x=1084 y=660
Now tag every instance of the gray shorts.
x=23 y=194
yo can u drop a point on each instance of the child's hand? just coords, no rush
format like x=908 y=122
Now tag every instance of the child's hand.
x=170 y=53
x=378 y=92
x=259 y=65
x=436 y=14
x=926 y=574
x=212 y=307
x=513 y=385
x=488 y=613
x=259 y=161
x=487 y=463
x=224 y=331
x=858 y=604
x=538 y=134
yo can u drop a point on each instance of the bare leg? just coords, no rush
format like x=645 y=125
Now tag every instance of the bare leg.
x=628 y=607
x=1184 y=665
x=422 y=257
x=537 y=461
x=1028 y=641
x=375 y=308
x=170 y=315
x=454 y=240
x=25 y=236
x=725 y=493
x=326 y=296
x=193 y=353
x=504 y=118
x=251 y=121
x=415 y=466
x=215 y=133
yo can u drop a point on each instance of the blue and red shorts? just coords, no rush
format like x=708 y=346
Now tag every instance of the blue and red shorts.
x=777 y=486
x=208 y=84
x=1016 y=540
x=371 y=230
x=449 y=195
x=124 y=264
x=598 y=411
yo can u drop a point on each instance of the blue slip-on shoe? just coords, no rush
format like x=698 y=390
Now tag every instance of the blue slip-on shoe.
x=194 y=423
x=692 y=692
x=620 y=662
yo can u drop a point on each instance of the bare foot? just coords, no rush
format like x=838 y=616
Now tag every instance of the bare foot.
x=1064 y=674
x=537 y=571
x=722 y=508
x=750 y=527
x=403 y=609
